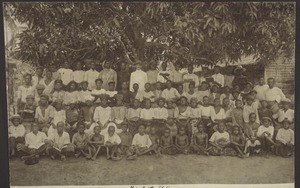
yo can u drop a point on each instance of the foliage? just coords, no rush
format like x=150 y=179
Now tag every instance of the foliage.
x=194 y=32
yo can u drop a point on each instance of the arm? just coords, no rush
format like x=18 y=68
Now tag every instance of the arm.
x=115 y=79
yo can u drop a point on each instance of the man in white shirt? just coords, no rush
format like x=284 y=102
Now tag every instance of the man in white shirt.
x=170 y=93
x=218 y=77
x=66 y=74
x=190 y=76
x=78 y=73
x=261 y=89
x=60 y=143
x=176 y=77
x=108 y=75
x=91 y=75
x=285 y=112
x=285 y=140
x=139 y=77
x=24 y=90
x=38 y=76
x=273 y=95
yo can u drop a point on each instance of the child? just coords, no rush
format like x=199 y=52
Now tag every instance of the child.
x=79 y=141
x=182 y=112
x=170 y=108
x=200 y=141
x=44 y=114
x=126 y=139
x=191 y=93
x=24 y=90
x=140 y=144
x=235 y=96
x=95 y=142
x=285 y=140
x=171 y=125
x=154 y=139
x=72 y=118
x=203 y=91
x=250 y=107
x=39 y=90
x=119 y=110
x=16 y=133
x=133 y=116
x=91 y=75
x=237 y=140
x=60 y=143
x=253 y=145
x=264 y=111
x=28 y=112
x=166 y=143
x=157 y=91
x=180 y=90
x=59 y=114
x=170 y=93
x=195 y=115
x=252 y=124
x=103 y=113
x=48 y=82
x=135 y=92
x=237 y=114
x=206 y=116
x=57 y=92
x=87 y=110
x=111 y=142
x=66 y=74
x=214 y=94
x=160 y=115
x=182 y=141
x=98 y=91
x=147 y=113
x=265 y=134
x=217 y=112
x=111 y=91
x=71 y=93
x=78 y=74
x=146 y=94
x=83 y=92
x=127 y=94
x=219 y=140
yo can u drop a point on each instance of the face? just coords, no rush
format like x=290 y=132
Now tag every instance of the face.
x=148 y=104
x=152 y=130
x=97 y=130
x=147 y=86
x=261 y=81
x=124 y=128
x=142 y=129
x=107 y=65
x=177 y=67
x=194 y=103
x=35 y=128
x=167 y=133
x=111 y=87
x=136 y=103
x=57 y=86
x=43 y=100
x=221 y=127
x=49 y=75
x=190 y=69
x=236 y=130
x=238 y=104
x=58 y=106
x=135 y=87
x=123 y=66
x=124 y=85
x=200 y=128
x=89 y=102
x=78 y=66
x=72 y=105
x=84 y=85
x=92 y=65
x=181 y=131
x=214 y=89
x=180 y=88
x=39 y=72
x=217 y=102
x=169 y=84
x=235 y=95
x=183 y=101
x=60 y=127
x=252 y=117
x=98 y=84
x=266 y=122
x=161 y=103
x=205 y=100
x=111 y=130
x=158 y=86
x=248 y=87
x=40 y=91
x=264 y=104
x=81 y=128
x=16 y=121
x=104 y=101
x=27 y=79
x=286 y=125
x=226 y=101
x=30 y=101
x=191 y=87
x=249 y=101
x=164 y=65
x=204 y=86
x=271 y=82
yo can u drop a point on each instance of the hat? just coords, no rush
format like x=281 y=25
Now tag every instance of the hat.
x=30 y=97
x=286 y=100
x=58 y=81
x=40 y=86
x=286 y=120
x=266 y=118
x=89 y=98
x=45 y=96
x=15 y=116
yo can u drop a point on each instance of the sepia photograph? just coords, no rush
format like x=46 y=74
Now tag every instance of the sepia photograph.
x=150 y=94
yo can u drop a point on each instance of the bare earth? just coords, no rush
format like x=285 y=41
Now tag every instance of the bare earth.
x=190 y=169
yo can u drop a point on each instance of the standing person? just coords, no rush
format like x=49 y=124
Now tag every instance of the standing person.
x=39 y=90
x=78 y=73
x=164 y=74
x=265 y=134
x=273 y=96
x=108 y=75
x=175 y=76
x=237 y=114
x=48 y=82
x=139 y=77
x=66 y=73
x=133 y=116
x=218 y=77
x=27 y=114
x=36 y=79
x=123 y=75
x=112 y=142
x=157 y=90
x=91 y=75
x=152 y=74
x=239 y=79
x=23 y=90
x=190 y=76
x=261 y=88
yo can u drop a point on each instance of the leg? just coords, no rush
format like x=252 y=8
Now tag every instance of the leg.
x=96 y=153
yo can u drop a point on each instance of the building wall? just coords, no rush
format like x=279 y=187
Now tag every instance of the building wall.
x=283 y=70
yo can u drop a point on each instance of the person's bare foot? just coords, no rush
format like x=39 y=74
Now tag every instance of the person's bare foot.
x=63 y=158
x=52 y=157
x=77 y=155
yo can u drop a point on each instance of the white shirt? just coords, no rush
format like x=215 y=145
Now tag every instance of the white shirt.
x=139 y=77
x=66 y=75
x=35 y=80
x=262 y=129
x=71 y=97
x=58 y=95
x=48 y=113
x=217 y=136
x=82 y=94
x=90 y=76
x=217 y=116
x=112 y=139
x=111 y=93
x=195 y=112
x=143 y=94
x=62 y=140
x=103 y=115
x=260 y=91
x=194 y=78
x=49 y=87
x=141 y=141
x=202 y=94
x=160 y=113
x=160 y=78
x=78 y=76
x=170 y=94
x=219 y=78
x=285 y=136
x=98 y=91
x=147 y=114
x=190 y=96
x=206 y=111
x=23 y=92
x=247 y=110
x=16 y=131
x=59 y=116
x=274 y=94
x=33 y=141
x=281 y=115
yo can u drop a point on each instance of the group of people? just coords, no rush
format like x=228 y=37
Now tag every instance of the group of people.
x=65 y=112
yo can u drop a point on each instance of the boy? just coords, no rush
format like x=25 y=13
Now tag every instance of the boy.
x=111 y=91
x=191 y=93
x=27 y=114
x=16 y=133
x=57 y=93
x=91 y=75
x=95 y=142
x=147 y=113
x=170 y=93
x=171 y=125
x=195 y=115
x=200 y=141
x=237 y=114
x=158 y=90
x=250 y=107
x=24 y=90
x=103 y=113
x=166 y=144
x=66 y=74
x=72 y=118
x=83 y=92
x=146 y=94
x=60 y=144
x=154 y=139
x=265 y=134
x=182 y=141
x=59 y=114
x=285 y=139
x=133 y=116
x=126 y=139
x=264 y=111
x=219 y=140
x=98 y=91
x=203 y=91
x=160 y=115
x=79 y=141
x=111 y=142
x=119 y=110
x=237 y=140
x=39 y=90
x=170 y=108
x=44 y=114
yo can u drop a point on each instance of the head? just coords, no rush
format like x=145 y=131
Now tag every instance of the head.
x=39 y=71
x=152 y=130
x=111 y=86
x=30 y=100
x=217 y=102
x=161 y=102
x=107 y=65
x=249 y=100
x=226 y=101
x=99 y=83
x=194 y=102
x=248 y=86
x=40 y=89
x=48 y=74
x=60 y=127
x=205 y=100
x=180 y=88
x=72 y=105
x=261 y=81
x=177 y=67
x=35 y=128
x=147 y=86
x=190 y=69
x=104 y=100
x=271 y=82
x=286 y=124
x=66 y=65
x=192 y=86
x=169 y=84
x=235 y=94
x=169 y=104
x=221 y=127
x=214 y=89
x=80 y=127
x=147 y=103
x=204 y=86
x=138 y=66
x=97 y=129
x=16 y=121
x=236 y=130
x=286 y=104
x=141 y=129
x=78 y=66
x=58 y=85
x=135 y=87
x=124 y=127
x=266 y=121
x=167 y=132
x=236 y=87
x=123 y=66
x=181 y=130
x=264 y=104
x=92 y=64
x=84 y=85
x=252 y=117
x=44 y=99
x=27 y=79
x=72 y=86
x=216 y=69
x=136 y=103
x=124 y=85
x=238 y=103
x=183 y=101
x=153 y=65
x=200 y=127
x=111 y=130
x=58 y=104
x=164 y=66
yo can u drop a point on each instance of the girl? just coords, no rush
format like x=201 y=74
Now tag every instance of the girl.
x=214 y=94
x=48 y=82
x=80 y=142
x=195 y=115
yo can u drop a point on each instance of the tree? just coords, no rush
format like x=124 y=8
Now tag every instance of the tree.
x=197 y=32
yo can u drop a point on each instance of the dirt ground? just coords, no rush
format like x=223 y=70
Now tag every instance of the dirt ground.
x=190 y=169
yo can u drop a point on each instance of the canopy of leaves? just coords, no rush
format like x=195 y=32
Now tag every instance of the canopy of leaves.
x=194 y=32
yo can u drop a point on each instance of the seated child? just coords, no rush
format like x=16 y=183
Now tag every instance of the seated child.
x=166 y=143
x=147 y=114
x=57 y=92
x=28 y=112
x=195 y=115
x=111 y=92
x=285 y=140
x=264 y=111
x=206 y=116
x=126 y=139
x=182 y=141
x=237 y=140
x=16 y=133
x=60 y=144
x=119 y=110
x=140 y=144
x=157 y=91
x=95 y=142
x=83 y=92
x=170 y=108
x=71 y=93
x=72 y=118
x=265 y=134
x=111 y=142
x=160 y=116
x=59 y=114
x=80 y=140
x=154 y=139
x=103 y=113
x=200 y=141
x=147 y=93
x=98 y=91
x=133 y=116
x=44 y=114
x=173 y=128
x=219 y=140
x=253 y=145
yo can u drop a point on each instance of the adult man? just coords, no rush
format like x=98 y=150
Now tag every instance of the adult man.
x=108 y=75
x=273 y=95
x=91 y=75
x=152 y=74
x=261 y=89
x=138 y=76
x=190 y=76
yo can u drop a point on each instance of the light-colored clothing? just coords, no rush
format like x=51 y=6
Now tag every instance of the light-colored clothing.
x=190 y=96
x=59 y=116
x=206 y=111
x=36 y=80
x=195 y=112
x=119 y=113
x=102 y=115
x=182 y=115
x=139 y=77
x=274 y=94
x=78 y=76
x=58 y=95
x=71 y=97
x=114 y=139
x=160 y=113
x=285 y=136
x=193 y=77
x=217 y=116
x=262 y=129
x=82 y=94
x=147 y=114
x=90 y=76
x=108 y=75
x=176 y=76
x=281 y=115
x=48 y=113
x=170 y=94
x=247 y=110
x=49 y=87
x=23 y=92
x=219 y=78
x=33 y=141
x=160 y=78
x=217 y=136
x=141 y=95
x=152 y=76
x=62 y=140
x=16 y=131
x=66 y=75
x=260 y=91
x=202 y=94
x=141 y=140
x=133 y=113
x=111 y=93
